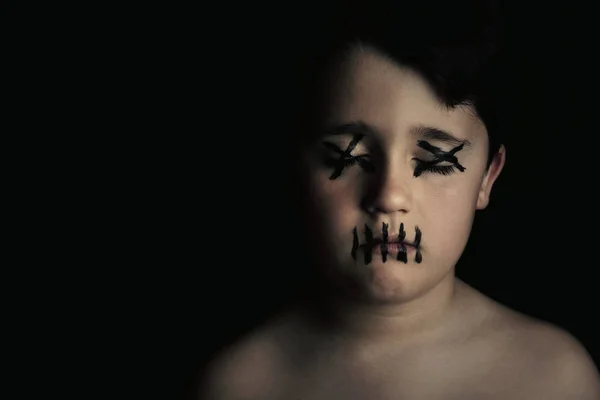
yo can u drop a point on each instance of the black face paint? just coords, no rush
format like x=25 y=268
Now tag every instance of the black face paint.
x=418 y=256
x=370 y=243
x=347 y=160
x=384 y=242
x=440 y=156
x=402 y=252
x=354 y=243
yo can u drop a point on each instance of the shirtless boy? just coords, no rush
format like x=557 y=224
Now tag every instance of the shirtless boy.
x=403 y=154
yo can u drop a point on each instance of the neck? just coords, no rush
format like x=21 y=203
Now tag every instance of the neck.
x=380 y=322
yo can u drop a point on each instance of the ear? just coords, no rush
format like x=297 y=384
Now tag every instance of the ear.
x=490 y=177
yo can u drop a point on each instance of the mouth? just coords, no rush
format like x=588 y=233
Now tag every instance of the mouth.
x=378 y=246
x=393 y=245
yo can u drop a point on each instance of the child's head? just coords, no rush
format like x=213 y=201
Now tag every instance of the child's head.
x=454 y=46
x=400 y=147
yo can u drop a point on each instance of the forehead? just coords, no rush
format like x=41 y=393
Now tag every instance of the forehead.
x=367 y=86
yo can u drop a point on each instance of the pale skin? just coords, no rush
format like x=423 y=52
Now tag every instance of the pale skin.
x=394 y=330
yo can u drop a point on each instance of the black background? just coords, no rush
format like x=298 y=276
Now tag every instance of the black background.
x=214 y=97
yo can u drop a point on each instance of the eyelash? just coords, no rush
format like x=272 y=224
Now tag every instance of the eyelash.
x=331 y=162
x=440 y=169
x=436 y=169
x=355 y=160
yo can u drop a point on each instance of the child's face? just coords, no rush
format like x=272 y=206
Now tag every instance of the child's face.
x=402 y=172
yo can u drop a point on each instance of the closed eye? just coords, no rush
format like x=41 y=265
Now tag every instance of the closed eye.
x=428 y=166
x=443 y=170
x=362 y=160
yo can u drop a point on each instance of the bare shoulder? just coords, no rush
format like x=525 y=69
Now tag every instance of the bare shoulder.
x=252 y=367
x=564 y=369
x=545 y=360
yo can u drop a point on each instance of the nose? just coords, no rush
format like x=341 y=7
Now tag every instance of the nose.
x=389 y=192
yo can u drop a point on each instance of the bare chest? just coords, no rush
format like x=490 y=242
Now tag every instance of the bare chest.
x=416 y=377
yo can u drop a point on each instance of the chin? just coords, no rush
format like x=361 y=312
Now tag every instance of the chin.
x=394 y=281
x=390 y=282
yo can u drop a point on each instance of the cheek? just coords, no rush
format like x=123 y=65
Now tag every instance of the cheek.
x=333 y=203
x=450 y=212
x=455 y=195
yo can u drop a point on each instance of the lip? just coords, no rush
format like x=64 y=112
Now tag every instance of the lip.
x=392 y=239
x=392 y=247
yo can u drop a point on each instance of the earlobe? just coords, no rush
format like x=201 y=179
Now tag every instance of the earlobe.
x=490 y=177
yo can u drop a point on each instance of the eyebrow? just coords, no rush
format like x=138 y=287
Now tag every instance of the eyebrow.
x=424 y=132
x=435 y=134
x=351 y=128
